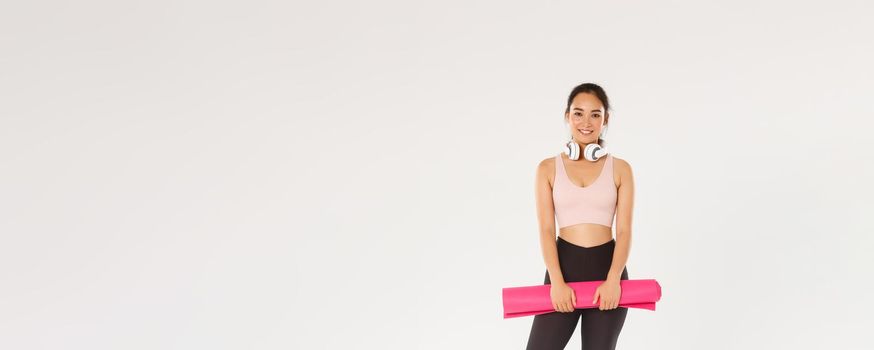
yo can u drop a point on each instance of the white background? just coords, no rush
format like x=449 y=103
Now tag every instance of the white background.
x=338 y=175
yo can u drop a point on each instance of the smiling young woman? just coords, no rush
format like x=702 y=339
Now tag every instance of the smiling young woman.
x=583 y=197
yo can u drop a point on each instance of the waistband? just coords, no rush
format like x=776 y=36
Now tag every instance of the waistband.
x=607 y=246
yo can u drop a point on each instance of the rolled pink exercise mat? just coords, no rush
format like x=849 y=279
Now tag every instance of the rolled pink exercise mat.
x=535 y=300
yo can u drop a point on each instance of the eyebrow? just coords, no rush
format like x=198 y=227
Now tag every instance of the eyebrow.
x=596 y=110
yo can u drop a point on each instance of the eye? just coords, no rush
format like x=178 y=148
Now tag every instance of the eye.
x=577 y=114
x=596 y=115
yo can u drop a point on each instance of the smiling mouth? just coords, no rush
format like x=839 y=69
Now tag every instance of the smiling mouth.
x=585 y=132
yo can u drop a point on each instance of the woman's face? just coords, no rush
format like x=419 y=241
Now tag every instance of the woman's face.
x=586 y=118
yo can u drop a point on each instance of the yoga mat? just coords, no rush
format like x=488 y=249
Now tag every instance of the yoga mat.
x=535 y=300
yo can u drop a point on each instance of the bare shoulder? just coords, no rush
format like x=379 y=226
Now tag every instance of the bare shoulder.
x=545 y=168
x=623 y=170
x=546 y=163
x=621 y=164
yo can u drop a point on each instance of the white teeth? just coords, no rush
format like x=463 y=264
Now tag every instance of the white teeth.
x=585 y=132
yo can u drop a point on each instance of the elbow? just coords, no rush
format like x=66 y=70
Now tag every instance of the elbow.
x=623 y=233
x=548 y=232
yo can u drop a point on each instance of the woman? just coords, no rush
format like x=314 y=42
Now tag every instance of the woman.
x=583 y=196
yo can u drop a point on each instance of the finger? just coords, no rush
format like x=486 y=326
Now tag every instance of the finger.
x=595 y=297
x=574 y=299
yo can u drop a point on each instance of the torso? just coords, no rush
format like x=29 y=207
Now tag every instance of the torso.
x=584 y=172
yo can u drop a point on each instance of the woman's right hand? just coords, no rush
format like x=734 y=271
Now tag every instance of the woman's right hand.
x=563 y=297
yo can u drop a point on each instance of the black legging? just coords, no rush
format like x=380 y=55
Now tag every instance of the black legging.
x=600 y=329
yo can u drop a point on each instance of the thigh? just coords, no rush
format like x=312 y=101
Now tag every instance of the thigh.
x=600 y=328
x=552 y=330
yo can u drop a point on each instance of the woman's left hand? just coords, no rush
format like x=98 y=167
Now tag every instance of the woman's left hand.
x=609 y=292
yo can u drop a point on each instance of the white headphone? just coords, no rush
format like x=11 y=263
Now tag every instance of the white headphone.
x=592 y=152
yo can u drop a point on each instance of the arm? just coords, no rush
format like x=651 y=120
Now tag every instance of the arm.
x=546 y=221
x=624 y=209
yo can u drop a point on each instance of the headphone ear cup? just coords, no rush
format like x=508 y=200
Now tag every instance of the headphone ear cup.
x=589 y=152
x=594 y=151
x=575 y=151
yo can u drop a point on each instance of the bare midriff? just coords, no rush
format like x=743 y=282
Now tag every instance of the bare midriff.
x=586 y=235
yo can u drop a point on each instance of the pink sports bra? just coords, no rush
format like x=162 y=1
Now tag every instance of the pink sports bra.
x=595 y=203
